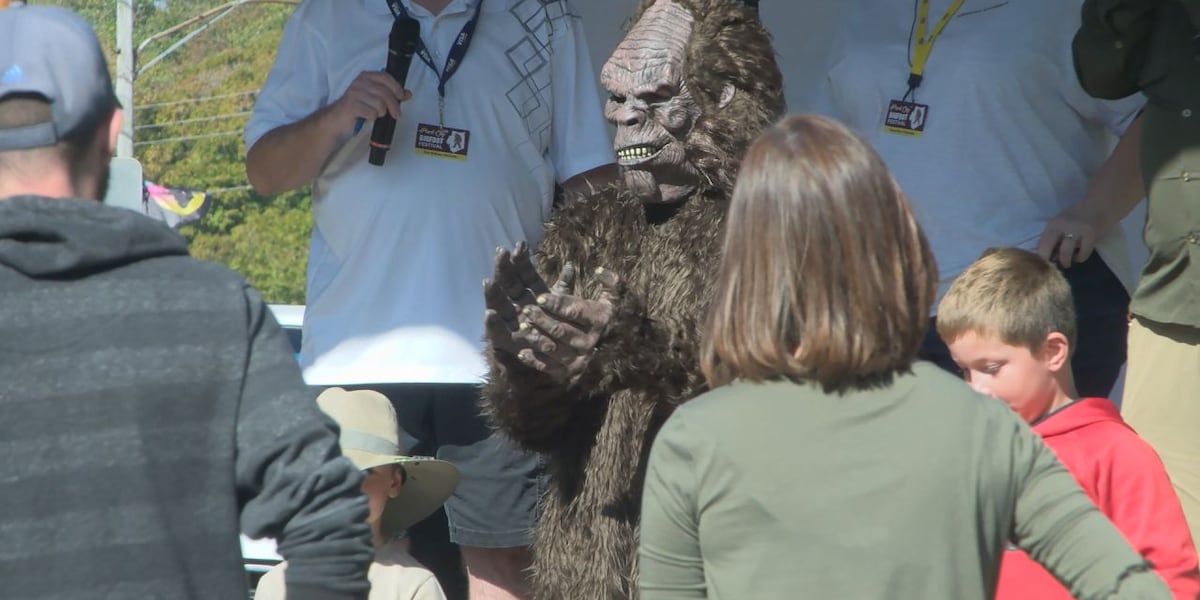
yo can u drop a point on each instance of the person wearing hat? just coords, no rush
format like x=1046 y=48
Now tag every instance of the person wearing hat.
x=401 y=490
x=152 y=407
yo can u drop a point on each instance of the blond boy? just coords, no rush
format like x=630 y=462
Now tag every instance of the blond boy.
x=1009 y=322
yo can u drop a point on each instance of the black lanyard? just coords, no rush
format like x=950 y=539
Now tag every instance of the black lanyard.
x=457 y=51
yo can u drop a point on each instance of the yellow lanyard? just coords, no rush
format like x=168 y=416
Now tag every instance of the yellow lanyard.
x=924 y=44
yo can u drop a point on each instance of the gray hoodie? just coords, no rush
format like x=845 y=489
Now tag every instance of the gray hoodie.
x=150 y=409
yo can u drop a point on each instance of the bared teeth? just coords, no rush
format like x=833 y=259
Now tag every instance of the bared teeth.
x=636 y=152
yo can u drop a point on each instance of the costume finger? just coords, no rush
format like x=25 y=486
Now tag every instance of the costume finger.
x=499 y=333
x=523 y=264
x=495 y=299
x=572 y=340
x=543 y=344
x=533 y=360
x=495 y=292
x=501 y=263
x=578 y=365
x=611 y=287
x=566 y=280
x=509 y=277
x=521 y=252
x=582 y=314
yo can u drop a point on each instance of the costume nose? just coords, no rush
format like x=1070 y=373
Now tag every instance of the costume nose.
x=623 y=114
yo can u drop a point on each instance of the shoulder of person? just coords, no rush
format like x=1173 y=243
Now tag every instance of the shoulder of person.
x=202 y=277
x=308 y=8
x=728 y=401
x=321 y=14
x=930 y=381
x=1129 y=450
x=401 y=576
x=214 y=272
x=217 y=282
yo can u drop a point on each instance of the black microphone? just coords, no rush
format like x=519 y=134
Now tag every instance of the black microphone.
x=402 y=44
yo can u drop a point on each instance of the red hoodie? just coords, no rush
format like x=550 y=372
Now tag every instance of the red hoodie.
x=1125 y=478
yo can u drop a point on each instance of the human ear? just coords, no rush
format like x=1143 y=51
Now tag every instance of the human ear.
x=114 y=130
x=395 y=482
x=1056 y=351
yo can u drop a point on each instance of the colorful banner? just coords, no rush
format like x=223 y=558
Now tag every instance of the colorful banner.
x=175 y=207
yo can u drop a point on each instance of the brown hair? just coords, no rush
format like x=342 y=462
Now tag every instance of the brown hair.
x=825 y=274
x=1012 y=294
x=23 y=110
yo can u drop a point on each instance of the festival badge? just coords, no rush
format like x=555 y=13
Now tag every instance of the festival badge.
x=905 y=118
x=442 y=142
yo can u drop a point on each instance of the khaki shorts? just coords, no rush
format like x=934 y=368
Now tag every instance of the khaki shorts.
x=1162 y=403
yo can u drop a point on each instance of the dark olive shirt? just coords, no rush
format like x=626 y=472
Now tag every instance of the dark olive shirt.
x=1153 y=46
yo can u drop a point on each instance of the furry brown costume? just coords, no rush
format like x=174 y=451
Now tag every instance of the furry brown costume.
x=633 y=330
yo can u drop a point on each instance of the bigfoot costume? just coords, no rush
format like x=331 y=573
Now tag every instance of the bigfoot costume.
x=586 y=372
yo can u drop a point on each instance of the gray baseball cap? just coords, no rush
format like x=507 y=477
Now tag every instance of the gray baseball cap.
x=53 y=53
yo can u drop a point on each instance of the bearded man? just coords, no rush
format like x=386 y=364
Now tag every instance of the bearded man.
x=587 y=371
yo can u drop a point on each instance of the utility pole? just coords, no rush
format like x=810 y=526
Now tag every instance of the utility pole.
x=125 y=75
x=127 y=70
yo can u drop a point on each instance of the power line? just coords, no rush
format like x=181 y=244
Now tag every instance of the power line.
x=208 y=14
x=236 y=188
x=200 y=99
x=186 y=138
x=243 y=113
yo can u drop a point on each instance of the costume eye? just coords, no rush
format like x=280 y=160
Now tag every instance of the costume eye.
x=659 y=95
x=617 y=98
x=655 y=98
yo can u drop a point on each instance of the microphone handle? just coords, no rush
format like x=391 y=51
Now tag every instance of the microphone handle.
x=402 y=45
x=381 y=139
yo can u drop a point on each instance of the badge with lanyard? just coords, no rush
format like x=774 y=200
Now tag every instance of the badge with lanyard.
x=906 y=116
x=439 y=140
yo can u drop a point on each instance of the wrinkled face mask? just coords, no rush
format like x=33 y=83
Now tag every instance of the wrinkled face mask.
x=651 y=106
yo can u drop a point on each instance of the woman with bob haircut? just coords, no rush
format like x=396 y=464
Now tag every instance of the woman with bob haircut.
x=826 y=462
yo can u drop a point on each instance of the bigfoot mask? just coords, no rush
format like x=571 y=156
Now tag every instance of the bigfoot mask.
x=690 y=84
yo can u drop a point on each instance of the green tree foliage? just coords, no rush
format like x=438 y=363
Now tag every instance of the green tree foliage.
x=264 y=248
x=189 y=111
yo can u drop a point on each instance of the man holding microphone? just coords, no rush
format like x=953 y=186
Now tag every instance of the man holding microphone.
x=398 y=250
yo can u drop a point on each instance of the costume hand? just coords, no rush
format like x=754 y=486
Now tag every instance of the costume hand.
x=371 y=95
x=515 y=283
x=1068 y=238
x=561 y=331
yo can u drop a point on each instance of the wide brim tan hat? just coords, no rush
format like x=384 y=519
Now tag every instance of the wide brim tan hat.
x=370 y=438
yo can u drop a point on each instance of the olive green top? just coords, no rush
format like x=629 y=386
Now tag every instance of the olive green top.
x=905 y=491
x=1152 y=46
